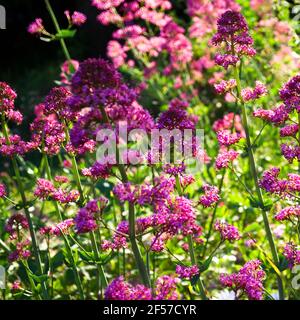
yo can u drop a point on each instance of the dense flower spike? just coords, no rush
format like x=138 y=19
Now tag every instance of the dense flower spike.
x=7 y=97
x=224 y=158
x=290 y=93
x=187 y=272
x=210 y=197
x=292 y=254
x=233 y=31
x=227 y=231
x=86 y=219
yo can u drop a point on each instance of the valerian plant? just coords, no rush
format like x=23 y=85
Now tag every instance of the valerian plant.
x=137 y=225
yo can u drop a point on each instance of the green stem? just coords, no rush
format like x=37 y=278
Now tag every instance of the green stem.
x=32 y=284
x=57 y=28
x=191 y=247
x=132 y=235
x=193 y=261
x=100 y=272
x=4 y=246
x=213 y=217
x=27 y=213
x=256 y=183
x=68 y=247
x=136 y=251
x=74 y=268
x=75 y=168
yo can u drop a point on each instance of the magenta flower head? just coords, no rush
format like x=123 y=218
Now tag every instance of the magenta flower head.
x=77 y=18
x=56 y=101
x=118 y=289
x=292 y=254
x=187 y=272
x=2 y=190
x=15 y=223
x=106 y=4
x=21 y=253
x=233 y=32
x=95 y=74
x=231 y=23
x=290 y=93
x=165 y=289
x=86 y=219
x=7 y=101
x=7 y=97
x=288 y=213
x=36 y=27
x=210 y=197
x=248 y=280
x=225 y=158
x=227 y=231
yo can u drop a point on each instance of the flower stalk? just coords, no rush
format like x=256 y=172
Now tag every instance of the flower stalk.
x=255 y=179
x=132 y=233
x=68 y=247
x=191 y=248
x=35 y=247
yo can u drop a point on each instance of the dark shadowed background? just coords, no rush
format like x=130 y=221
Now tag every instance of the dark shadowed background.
x=30 y=65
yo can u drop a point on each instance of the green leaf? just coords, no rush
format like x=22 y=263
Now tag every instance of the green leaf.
x=194 y=279
x=252 y=227
x=65 y=33
x=86 y=256
x=283 y=263
x=255 y=203
x=106 y=259
x=205 y=265
x=40 y=278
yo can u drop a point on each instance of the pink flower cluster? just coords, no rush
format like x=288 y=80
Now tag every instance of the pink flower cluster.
x=210 y=197
x=64 y=227
x=2 y=191
x=290 y=95
x=292 y=254
x=187 y=272
x=21 y=252
x=15 y=223
x=249 y=279
x=36 y=27
x=86 y=219
x=165 y=289
x=7 y=103
x=233 y=32
x=45 y=189
x=253 y=94
x=288 y=213
x=285 y=187
x=76 y=19
x=227 y=231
